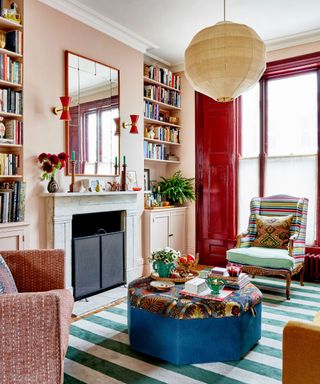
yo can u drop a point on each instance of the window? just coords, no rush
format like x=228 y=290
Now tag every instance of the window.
x=279 y=137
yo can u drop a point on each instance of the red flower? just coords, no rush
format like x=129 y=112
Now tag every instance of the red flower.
x=63 y=156
x=42 y=157
x=47 y=167
x=54 y=159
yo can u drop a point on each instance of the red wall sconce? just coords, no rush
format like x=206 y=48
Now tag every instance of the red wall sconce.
x=133 y=124
x=65 y=115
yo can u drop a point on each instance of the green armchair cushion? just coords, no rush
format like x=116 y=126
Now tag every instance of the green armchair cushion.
x=272 y=231
x=262 y=257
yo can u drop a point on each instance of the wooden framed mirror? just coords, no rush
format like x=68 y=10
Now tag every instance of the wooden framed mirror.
x=91 y=132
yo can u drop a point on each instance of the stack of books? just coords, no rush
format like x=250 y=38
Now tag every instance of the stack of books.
x=231 y=282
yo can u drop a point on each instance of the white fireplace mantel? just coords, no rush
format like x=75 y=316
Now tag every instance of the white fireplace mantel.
x=60 y=208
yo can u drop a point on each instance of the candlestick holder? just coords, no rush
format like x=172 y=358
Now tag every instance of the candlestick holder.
x=116 y=169
x=124 y=186
x=73 y=165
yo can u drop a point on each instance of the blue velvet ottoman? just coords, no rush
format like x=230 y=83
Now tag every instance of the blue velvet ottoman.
x=186 y=330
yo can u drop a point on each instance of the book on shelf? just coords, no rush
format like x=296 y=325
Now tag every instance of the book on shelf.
x=158 y=93
x=10 y=69
x=10 y=101
x=207 y=295
x=163 y=133
x=9 y=163
x=12 y=201
x=154 y=151
x=14 y=41
x=14 y=131
x=162 y=75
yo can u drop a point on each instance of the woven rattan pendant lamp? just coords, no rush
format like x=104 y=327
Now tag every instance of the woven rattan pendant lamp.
x=225 y=60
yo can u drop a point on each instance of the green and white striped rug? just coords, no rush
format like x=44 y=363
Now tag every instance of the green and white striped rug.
x=99 y=350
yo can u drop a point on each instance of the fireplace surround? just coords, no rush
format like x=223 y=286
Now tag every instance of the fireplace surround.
x=61 y=207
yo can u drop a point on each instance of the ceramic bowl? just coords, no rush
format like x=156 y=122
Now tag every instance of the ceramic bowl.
x=216 y=285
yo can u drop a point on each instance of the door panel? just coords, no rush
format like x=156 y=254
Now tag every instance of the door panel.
x=216 y=165
x=177 y=224
x=160 y=231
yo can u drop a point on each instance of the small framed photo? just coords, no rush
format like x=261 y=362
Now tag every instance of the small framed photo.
x=131 y=180
x=146 y=179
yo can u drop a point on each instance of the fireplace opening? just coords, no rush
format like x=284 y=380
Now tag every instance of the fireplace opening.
x=98 y=257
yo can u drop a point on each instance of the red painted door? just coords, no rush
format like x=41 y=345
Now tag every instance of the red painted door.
x=216 y=175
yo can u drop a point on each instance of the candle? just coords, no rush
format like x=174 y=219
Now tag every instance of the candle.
x=116 y=161
x=73 y=156
x=124 y=160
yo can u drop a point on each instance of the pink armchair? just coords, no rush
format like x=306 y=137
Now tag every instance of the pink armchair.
x=34 y=323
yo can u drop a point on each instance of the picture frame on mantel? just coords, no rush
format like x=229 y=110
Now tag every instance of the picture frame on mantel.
x=146 y=180
x=131 y=180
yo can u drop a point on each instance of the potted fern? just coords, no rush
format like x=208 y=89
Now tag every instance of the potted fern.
x=178 y=189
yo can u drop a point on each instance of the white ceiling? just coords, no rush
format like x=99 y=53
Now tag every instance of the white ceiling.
x=164 y=28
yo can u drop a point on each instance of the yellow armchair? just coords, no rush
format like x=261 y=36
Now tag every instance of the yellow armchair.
x=301 y=352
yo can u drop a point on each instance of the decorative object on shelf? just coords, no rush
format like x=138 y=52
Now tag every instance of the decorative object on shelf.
x=218 y=57
x=117 y=123
x=2 y=128
x=71 y=186
x=65 y=115
x=133 y=124
x=173 y=119
x=123 y=182
x=2 y=39
x=11 y=13
x=163 y=260
x=216 y=285
x=114 y=186
x=97 y=185
x=178 y=189
x=50 y=164
x=116 y=165
x=52 y=186
x=131 y=179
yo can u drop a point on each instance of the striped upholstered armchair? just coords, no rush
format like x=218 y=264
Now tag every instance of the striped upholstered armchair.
x=274 y=243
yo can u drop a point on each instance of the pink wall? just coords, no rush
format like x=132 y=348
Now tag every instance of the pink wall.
x=47 y=33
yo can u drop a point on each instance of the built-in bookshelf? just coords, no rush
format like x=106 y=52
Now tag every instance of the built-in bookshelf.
x=162 y=105
x=12 y=186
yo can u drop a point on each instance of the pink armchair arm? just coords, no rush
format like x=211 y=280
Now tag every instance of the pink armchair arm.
x=36 y=270
x=34 y=336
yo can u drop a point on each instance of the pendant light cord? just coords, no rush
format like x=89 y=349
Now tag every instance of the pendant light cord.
x=224 y=10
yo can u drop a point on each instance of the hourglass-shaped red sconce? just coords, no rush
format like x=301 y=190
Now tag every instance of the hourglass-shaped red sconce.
x=65 y=115
x=133 y=124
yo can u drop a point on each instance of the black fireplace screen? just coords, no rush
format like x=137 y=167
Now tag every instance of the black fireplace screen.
x=98 y=252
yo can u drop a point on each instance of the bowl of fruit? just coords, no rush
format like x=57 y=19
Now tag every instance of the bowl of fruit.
x=216 y=285
x=187 y=261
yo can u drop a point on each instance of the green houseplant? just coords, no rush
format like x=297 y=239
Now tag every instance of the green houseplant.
x=178 y=189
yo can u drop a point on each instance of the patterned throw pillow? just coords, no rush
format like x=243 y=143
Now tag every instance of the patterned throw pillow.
x=272 y=231
x=7 y=284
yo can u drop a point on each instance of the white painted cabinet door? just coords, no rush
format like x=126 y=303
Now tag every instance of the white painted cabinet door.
x=159 y=231
x=177 y=235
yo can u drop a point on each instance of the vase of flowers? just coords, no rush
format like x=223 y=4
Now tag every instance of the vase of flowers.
x=50 y=164
x=163 y=260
